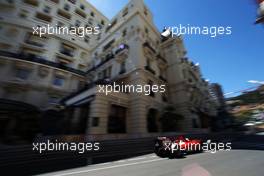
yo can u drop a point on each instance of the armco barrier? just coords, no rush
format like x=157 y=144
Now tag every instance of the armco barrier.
x=21 y=160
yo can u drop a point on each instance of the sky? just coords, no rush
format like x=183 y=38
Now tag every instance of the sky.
x=231 y=60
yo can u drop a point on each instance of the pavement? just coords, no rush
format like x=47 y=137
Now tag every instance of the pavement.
x=237 y=162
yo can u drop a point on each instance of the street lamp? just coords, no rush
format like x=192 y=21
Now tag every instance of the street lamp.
x=260 y=18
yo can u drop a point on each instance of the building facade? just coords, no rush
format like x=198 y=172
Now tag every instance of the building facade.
x=128 y=51
x=48 y=67
x=132 y=51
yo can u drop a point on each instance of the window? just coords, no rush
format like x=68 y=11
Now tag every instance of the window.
x=124 y=32
x=152 y=94
x=60 y=24
x=95 y=121
x=164 y=97
x=146 y=30
x=92 y=14
x=125 y=12
x=148 y=62
x=72 y=1
x=10 y=1
x=104 y=73
x=194 y=123
x=82 y=7
x=184 y=74
x=54 y=100
x=86 y=39
x=102 y=22
x=111 y=25
x=12 y=32
x=145 y=11
x=90 y=21
x=77 y=23
x=23 y=13
x=46 y=9
x=99 y=36
x=99 y=26
x=108 y=45
x=123 y=67
x=117 y=119
x=109 y=72
x=22 y=73
x=58 y=81
x=67 y=7
x=100 y=75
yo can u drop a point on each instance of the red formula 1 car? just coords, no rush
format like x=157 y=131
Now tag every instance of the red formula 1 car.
x=176 y=146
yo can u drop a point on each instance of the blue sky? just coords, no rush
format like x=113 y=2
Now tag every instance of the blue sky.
x=230 y=60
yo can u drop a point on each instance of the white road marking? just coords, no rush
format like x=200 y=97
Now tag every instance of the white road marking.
x=134 y=159
x=154 y=156
x=120 y=161
x=110 y=167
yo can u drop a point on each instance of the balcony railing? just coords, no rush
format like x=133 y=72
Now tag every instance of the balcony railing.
x=80 y=12
x=34 y=43
x=150 y=70
x=122 y=48
x=41 y=60
x=67 y=52
x=32 y=2
x=44 y=17
x=161 y=58
x=7 y=3
x=146 y=44
x=122 y=71
x=64 y=14
x=108 y=57
x=55 y=1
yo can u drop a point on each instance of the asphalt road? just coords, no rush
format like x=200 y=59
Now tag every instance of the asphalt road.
x=223 y=163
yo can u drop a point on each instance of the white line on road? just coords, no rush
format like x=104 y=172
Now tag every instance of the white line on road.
x=134 y=159
x=110 y=167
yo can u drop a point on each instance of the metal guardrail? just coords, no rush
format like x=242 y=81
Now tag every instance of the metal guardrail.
x=22 y=160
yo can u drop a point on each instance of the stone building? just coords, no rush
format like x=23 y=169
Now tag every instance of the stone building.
x=128 y=51
x=42 y=70
x=132 y=52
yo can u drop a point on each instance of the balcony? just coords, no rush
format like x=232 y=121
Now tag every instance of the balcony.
x=150 y=70
x=44 y=17
x=67 y=52
x=32 y=45
x=7 y=3
x=80 y=12
x=107 y=58
x=161 y=58
x=122 y=71
x=55 y=1
x=40 y=60
x=149 y=49
x=64 y=14
x=31 y=2
x=65 y=56
x=122 y=52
